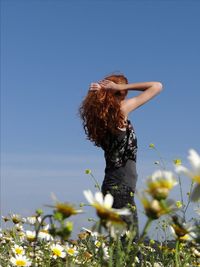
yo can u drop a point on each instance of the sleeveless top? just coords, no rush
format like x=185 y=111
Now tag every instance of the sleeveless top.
x=120 y=152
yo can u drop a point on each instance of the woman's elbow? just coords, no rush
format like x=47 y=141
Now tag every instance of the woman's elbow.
x=159 y=86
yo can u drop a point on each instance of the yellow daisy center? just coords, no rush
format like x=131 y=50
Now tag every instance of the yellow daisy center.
x=70 y=251
x=18 y=250
x=20 y=262
x=66 y=209
x=57 y=252
x=196 y=178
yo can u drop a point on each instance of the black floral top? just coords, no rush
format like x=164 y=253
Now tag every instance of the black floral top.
x=119 y=148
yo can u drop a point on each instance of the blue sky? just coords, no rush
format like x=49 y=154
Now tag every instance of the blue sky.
x=51 y=51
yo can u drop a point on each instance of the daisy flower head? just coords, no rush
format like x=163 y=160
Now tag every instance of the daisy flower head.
x=155 y=208
x=193 y=173
x=44 y=234
x=177 y=162
x=16 y=218
x=33 y=220
x=160 y=183
x=91 y=233
x=71 y=250
x=63 y=209
x=30 y=235
x=18 y=250
x=181 y=230
x=58 y=251
x=103 y=206
x=20 y=260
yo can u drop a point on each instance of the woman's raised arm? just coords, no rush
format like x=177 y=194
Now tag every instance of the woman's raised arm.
x=149 y=90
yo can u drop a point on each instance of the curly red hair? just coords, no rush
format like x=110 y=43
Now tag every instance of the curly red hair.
x=100 y=111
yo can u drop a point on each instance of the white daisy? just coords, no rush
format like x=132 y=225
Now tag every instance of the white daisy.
x=20 y=261
x=93 y=234
x=44 y=234
x=58 y=251
x=33 y=219
x=194 y=173
x=104 y=208
x=30 y=235
x=183 y=231
x=160 y=183
x=71 y=250
x=19 y=250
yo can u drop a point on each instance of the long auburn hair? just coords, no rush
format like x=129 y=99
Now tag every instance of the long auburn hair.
x=100 y=111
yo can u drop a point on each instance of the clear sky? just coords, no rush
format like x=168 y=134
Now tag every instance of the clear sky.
x=52 y=50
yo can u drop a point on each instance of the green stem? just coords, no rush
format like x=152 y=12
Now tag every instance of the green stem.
x=96 y=182
x=161 y=159
x=189 y=199
x=177 y=258
x=181 y=194
x=36 y=237
x=145 y=230
x=181 y=191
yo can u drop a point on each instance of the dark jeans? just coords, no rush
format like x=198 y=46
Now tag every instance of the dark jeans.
x=124 y=198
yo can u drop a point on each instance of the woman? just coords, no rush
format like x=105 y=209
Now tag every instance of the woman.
x=105 y=112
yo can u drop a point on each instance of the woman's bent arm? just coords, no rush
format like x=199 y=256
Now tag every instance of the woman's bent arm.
x=142 y=86
x=150 y=90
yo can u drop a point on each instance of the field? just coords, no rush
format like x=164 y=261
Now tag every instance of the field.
x=45 y=239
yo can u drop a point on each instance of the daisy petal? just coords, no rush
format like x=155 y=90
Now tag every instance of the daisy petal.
x=194 y=159
x=184 y=170
x=124 y=212
x=99 y=197
x=108 y=201
x=88 y=195
x=195 y=195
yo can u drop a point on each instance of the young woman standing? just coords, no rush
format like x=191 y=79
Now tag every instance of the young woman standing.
x=104 y=113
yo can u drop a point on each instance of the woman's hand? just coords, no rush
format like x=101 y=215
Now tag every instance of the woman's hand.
x=95 y=87
x=106 y=84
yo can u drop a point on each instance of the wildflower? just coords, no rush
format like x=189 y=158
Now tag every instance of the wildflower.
x=44 y=234
x=58 y=251
x=196 y=252
x=71 y=250
x=152 y=242
x=104 y=207
x=66 y=209
x=151 y=145
x=88 y=171
x=183 y=231
x=83 y=235
x=179 y=204
x=16 y=218
x=81 y=204
x=39 y=212
x=160 y=183
x=155 y=209
x=19 y=250
x=30 y=235
x=177 y=162
x=6 y=219
x=197 y=210
x=33 y=219
x=105 y=252
x=93 y=234
x=18 y=227
x=194 y=174
x=20 y=261
x=158 y=264
x=136 y=261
